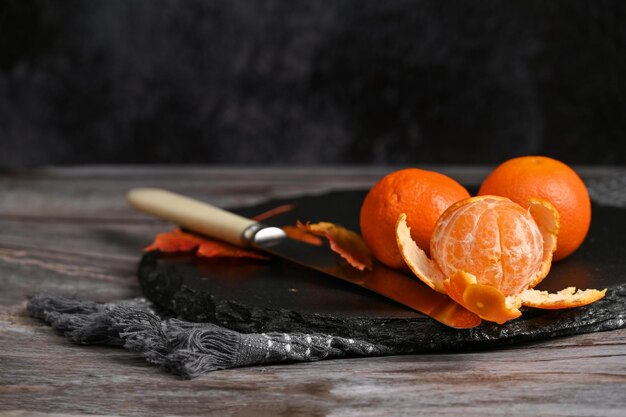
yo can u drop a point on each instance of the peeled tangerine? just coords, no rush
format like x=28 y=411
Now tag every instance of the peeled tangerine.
x=488 y=253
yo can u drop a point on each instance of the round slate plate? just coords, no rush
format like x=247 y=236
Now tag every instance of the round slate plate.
x=204 y=289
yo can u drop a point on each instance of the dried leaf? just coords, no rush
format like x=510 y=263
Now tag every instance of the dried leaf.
x=345 y=242
x=179 y=241
x=298 y=233
x=216 y=249
x=174 y=241
x=285 y=208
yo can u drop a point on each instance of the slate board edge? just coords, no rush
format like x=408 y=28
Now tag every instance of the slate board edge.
x=164 y=287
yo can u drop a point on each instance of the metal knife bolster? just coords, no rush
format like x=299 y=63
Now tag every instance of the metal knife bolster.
x=259 y=234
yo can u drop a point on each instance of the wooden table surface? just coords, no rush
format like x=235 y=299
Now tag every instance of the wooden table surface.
x=70 y=231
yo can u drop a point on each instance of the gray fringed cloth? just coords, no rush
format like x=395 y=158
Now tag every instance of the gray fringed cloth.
x=181 y=347
x=192 y=349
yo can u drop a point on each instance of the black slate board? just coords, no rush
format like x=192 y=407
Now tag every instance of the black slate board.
x=256 y=296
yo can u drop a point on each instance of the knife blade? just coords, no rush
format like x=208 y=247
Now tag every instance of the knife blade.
x=220 y=224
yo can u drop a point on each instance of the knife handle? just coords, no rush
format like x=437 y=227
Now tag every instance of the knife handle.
x=191 y=214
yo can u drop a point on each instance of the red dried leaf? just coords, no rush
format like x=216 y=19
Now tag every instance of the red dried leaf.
x=174 y=241
x=285 y=208
x=216 y=249
x=345 y=242
x=179 y=241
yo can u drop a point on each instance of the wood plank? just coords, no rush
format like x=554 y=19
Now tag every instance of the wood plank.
x=99 y=192
x=582 y=375
x=69 y=230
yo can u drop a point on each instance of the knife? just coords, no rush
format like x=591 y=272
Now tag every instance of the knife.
x=217 y=223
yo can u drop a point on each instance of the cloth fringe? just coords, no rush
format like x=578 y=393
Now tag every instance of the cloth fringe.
x=180 y=347
x=185 y=349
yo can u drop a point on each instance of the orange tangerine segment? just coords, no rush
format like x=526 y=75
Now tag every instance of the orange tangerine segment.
x=566 y=298
x=491 y=238
x=416 y=259
x=485 y=301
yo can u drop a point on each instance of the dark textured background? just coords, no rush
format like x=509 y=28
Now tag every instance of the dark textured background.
x=353 y=81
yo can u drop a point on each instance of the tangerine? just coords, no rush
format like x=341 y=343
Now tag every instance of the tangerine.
x=526 y=177
x=488 y=253
x=423 y=195
x=492 y=238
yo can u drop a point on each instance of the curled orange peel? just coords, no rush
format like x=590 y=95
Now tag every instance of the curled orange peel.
x=485 y=301
x=566 y=298
x=417 y=261
x=548 y=220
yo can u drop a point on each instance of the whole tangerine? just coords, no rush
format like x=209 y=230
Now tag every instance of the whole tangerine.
x=424 y=195
x=526 y=177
